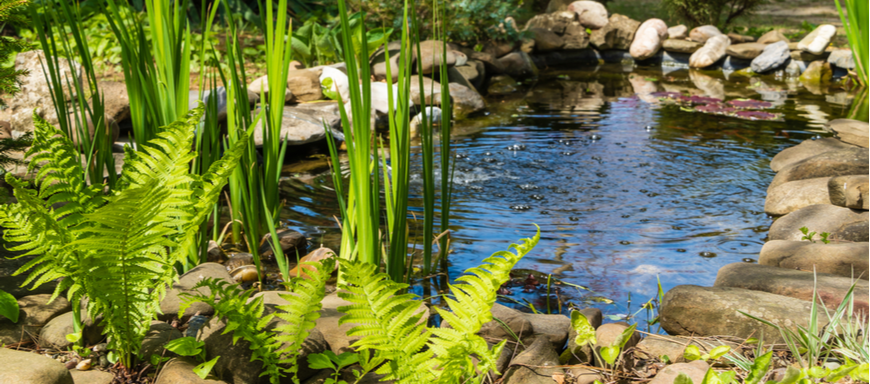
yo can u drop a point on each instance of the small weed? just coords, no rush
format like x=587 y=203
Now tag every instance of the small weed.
x=810 y=235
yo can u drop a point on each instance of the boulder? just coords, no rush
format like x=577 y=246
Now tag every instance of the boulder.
x=546 y=40
x=842 y=58
x=695 y=370
x=539 y=355
x=53 y=334
x=690 y=310
x=116 y=99
x=850 y=161
x=261 y=86
x=430 y=56
x=303 y=123
x=818 y=39
x=591 y=14
x=740 y=39
x=171 y=304
x=648 y=39
x=179 y=370
x=678 y=32
x=849 y=191
x=518 y=65
x=850 y=131
x=772 y=37
x=499 y=48
x=501 y=85
x=820 y=218
x=681 y=46
x=304 y=84
x=32 y=368
x=555 y=22
x=840 y=259
x=805 y=150
x=617 y=34
x=714 y=49
x=818 y=72
x=34 y=312
x=746 y=51
x=215 y=253
x=771 y=57
x=94 y=376
x=830 y=289
x=703 y=33
x=575 y=36
x=158 y=335
x=583 y=376
x=795 y=195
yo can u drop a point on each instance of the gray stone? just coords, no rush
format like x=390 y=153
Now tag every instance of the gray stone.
x=158 y=335
x=682 y=46
x=31 y=368
x=841 y=259
x=849 y=191
x=747 y=51
x=850 y=131
x=617 y=34
x=34 y=312
x=805 y=150
x=714 y=49
x=703 y=33
x=171 y=304
x=818 y=39
x=842 y=58
x=694 y=370
x=795 y=195
x=545 y=40
x=648 y=39
x=820 y=218
x=771 y=57
x=575 y=36
x=179 y=370
x=303 y=123
x=772 y=37
x=591 y=14
x=518 y=65
x=53 y=334
x=533 y=360
x=851 y=161
x=678 y=32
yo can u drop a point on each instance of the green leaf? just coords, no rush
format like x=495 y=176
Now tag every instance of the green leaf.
x=625 y=336
x=74 y=337
x=728 y=377
x=345 y=359
x=759 y=368
x=792 y=375
x=719 y=351
x=204 y=369
x=585 y=331
x=711 y=377
x=8 y=306
x=609 y=354
x=185 y=346
x=692 y=353
x=817 y=372
x=682 y=378
x=861 y=373
x=840 y=373
x=320 y=361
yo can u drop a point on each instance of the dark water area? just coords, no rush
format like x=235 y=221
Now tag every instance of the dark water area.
x=625 y=189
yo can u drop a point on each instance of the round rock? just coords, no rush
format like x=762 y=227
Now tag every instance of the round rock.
x=648 y=39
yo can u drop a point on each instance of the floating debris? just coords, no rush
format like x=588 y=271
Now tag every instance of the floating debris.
x=516 y=147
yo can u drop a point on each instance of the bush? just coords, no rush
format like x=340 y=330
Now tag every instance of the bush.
x=711 y=12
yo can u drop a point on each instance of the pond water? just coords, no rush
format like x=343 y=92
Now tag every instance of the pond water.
x=625 y=189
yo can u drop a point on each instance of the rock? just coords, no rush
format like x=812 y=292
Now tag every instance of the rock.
x=805 y=150
x=517 y=322
x=682 y=46
x=851 y=161
x=304 y=84
x=291 y=242
x=430 y=56
x=34 y=312
x=239 y=259
x=379 y=58
x=678 y=32
x=261 y=85
x=335 y=333
x=713 y=50
x=740 y=39
x=53 y=334
x=575 y=36
x=501 y=85
x=849 y=191
x=303 y=123
x=158 y=335
x=830 y=289
x=553 y=327
x=850 y=131
x=215 y=253
x=772 y=37
x=617 y=34
x=795 y=195
x=474 y=72
x=703 y=33
x=546 y=40
x=696 y=371
x=591 y=14
x=818 y=39
x=539 y=354
x=32 y=368
x=518 y=65
x=116 y=99
x=852 y=230
x=558 y=5
x=818 y=72
x=172 y=302
x=648 y=39
x=583 y=376
x=555 y=22
x=690 y=310
x=807 y=57
x=527 y=45
x=819 y=218
x=220 y=96
x=656 y=346
x=607 y=334
x=583 y=355
x=841 y=259
x=771 y=57
x=842 y=58
x=465 y=101
x=499 y=48
x=179 y=370
x=747 y=51
x=94 y=376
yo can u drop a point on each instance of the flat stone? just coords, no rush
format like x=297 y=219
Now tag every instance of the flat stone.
x=682 y=46
x=648 y=39
x=32 y=368
x=303 y=123
x=850 y=131
x=538 y=355
x=690 y=310
x=772 y=37
x=772 y=56
x=545 y=40
x=678 y=32
x=34 y=312
x=849 y=191
x=617 y=34
x=840 y=259
x=842 y=58
x=830 y=289
x=805 y=150
x=591 y=14
x=737 y=38
x=695 y=370
x=713 y=50
x=818 y=39
x=746 y=51
x=171 y=304
x=820 y=218
x=53 y=334
x=94 y=376
x=850 y=161
x=795 y=195
x=703 y=33
x=818 y=72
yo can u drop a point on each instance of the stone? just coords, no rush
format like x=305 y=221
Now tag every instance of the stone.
x=795 y=195
x=32 y=368
x=746 y=51
x=678 y=32
x=657 y=346
x=555 y=22
x=850 y=131
x=473 y=72
x=850 y=161
x=518 y=65
x=304 y=85
x=220 y=96
x=740 y=39
x=465 y=101
x=527 y=45
x=116 y=100
x=378 y=61
x=772 y=37
x=690 y=310
x=215 y=253
x=583 y=376
x=430 y=56
x=607 y=334
x=171 y=303
x=53 y=334
x=849 y=191
x=648 y=39
x=534 y=359
x=681 y=46
x=819 y=218
x=179 y=370
x=696 y=371
x=501 y=85
x=617 y=34
x=713 y=50
x=771 y=57
x=575 y=36
x=703 y=33
x=94 y=376
x=261 y=86
x=546 y=40
x=830 y=289
x=842 y=58
x=555 y=328
x=591 y=14
x=840 y=259
x=805 y=150
x=291 y=242
x=558 y=5
x=34 y=312
x=818 y=72
x=499 y=48
x=818 y=39
x=335 y=333
x=158 y=335
x=807 y=57
x=303 y=123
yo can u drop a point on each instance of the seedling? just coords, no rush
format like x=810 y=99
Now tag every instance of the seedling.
x=329 y=360
x=809 y=236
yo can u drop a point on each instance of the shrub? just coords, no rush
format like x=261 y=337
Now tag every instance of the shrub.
x=711 y=12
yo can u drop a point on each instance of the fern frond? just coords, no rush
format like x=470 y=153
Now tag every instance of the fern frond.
x=387 y=321
x=474 y=295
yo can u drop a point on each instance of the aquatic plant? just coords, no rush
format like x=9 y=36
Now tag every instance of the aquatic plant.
x=855 y=18
x=739 y=108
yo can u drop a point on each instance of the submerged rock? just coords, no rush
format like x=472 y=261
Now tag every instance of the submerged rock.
x=32 y=368
x=771 y=57
x=850 y=161
x=591 y=14
x=805 y=150
x=818 y=72
x=703 y=33
x=795 y=195
x=849 y=191
x=681 y=46
x=772 y=37
x=821 y=218
x=678 y=32
x=501 y=85
x=648 y=39
x=841 y=259
x=714 y=49
x=850 y=131
x=818 y=39
x=617 y=34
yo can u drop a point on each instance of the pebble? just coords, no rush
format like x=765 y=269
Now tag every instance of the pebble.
x=84 y=365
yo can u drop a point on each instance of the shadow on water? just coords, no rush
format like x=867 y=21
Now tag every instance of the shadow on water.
x=624 y=188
